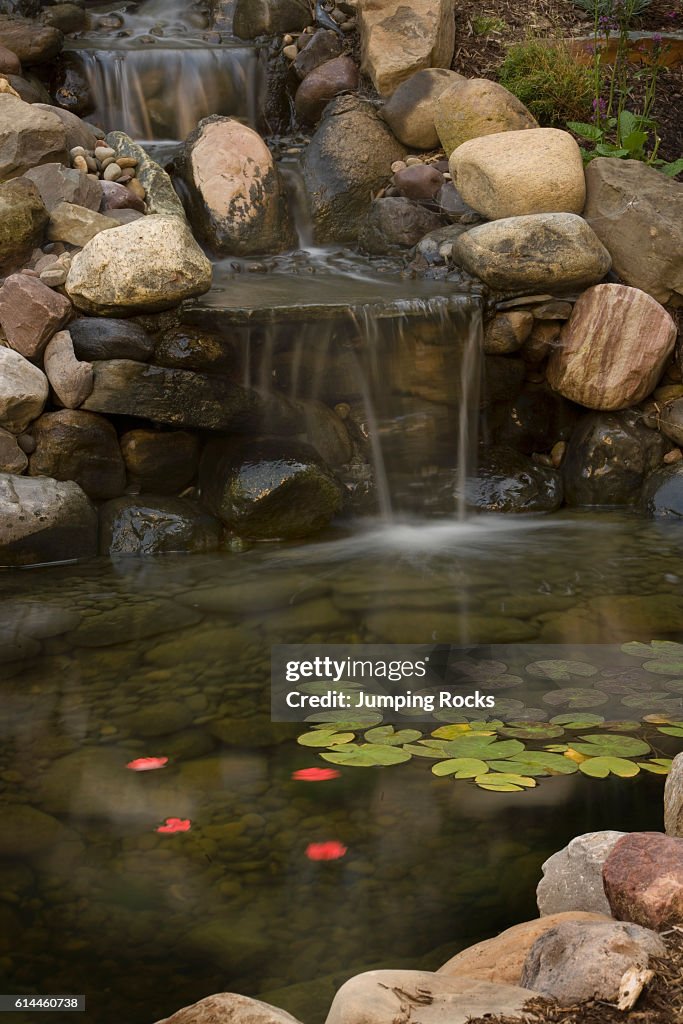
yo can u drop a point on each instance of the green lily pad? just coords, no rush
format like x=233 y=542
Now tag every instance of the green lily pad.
x=663 y=648
x=560 y=671
x=486 y=748
x=479 y=725
x=673 y=685
x=657 y=766
x=537 y=762
x=418 y=750
x=601 y=767
x=575 y=697
x=387 y=735
x=622 y=725
x=657 y=701
x=367 y=755
x=533 y=715
x=508 y=708
x=671 y=730
x=505 y=783
x=611 y=745
x=461 y=767
x=451 y=732
x=319 y=738
x=664 y=668
x=531 y=731
x=586 y=721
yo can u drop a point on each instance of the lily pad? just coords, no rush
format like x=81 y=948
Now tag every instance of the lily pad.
x=657 y=766
x=505 y=783
x=386 y=734
x=560 y=671
x=575 y=697
x=450 y=732
x=611 y=745
x=652 y=701
x=325 y=739
x=486 y=748
x=671 y=730
x=508 y=708
x=461 y=767
x=622 y=725
x=662 y=648
x=531 y=731
x=586 y=721
x=367 y=755
x=664 y=668
x=418 y=750
x=449 y=716
x=537 y=762
x=601 y=767
x=673 y=685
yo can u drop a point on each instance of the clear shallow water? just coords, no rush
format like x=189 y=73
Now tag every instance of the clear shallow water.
x=111 y=661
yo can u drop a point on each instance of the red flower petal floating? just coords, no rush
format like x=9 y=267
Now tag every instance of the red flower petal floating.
x=147 y=764
x=315 y=774
x=331 y=850
x=175 y=825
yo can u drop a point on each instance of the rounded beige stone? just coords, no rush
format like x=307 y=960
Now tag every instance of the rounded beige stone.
x=475 y=107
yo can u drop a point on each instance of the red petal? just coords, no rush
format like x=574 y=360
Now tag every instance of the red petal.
x=147 y=764
x=175 y=825
x=315 y=774
x=331 y=850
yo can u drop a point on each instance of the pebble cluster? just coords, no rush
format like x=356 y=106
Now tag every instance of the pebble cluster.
x=103 y=163
x=341 y=17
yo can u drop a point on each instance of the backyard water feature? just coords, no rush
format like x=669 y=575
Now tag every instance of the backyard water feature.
x=271 y=379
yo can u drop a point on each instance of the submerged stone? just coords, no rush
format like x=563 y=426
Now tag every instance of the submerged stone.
x=152 y=524
x=508 y=481
x=160 y=462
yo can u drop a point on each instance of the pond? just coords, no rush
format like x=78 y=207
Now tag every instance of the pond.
x=109 y=661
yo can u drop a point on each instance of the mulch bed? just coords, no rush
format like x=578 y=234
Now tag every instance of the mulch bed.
x=660 y=1003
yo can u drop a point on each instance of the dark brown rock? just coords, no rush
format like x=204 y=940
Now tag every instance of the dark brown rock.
x=30 y=313
x=396 y=223
x=30 y=90
x=187 y=348
x=160 y=463
x=155 y=525
x=324 y=45
x=322 y=85
x=31 y=43
x=75 y=445
x=643 y=879
x=118 y=197
x=9 y=62
x=100 y=337
x=23 y=219
x=422 y=181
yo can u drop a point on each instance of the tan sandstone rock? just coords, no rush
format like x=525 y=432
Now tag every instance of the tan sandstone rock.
x=511 y=174
x=28 y=137
x=673 y=799
x=501 y=959
x=229 y=1008
x=71 y=380
x=612 y=349
x=398 y=39
x=23 y=391
x=474 y=107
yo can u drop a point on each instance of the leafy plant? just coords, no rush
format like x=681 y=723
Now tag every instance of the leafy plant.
x=483 y=25
x=548 y=80
x=631 y=135
x=604 y=7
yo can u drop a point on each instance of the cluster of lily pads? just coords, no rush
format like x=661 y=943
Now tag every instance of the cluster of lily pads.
x=509 y=755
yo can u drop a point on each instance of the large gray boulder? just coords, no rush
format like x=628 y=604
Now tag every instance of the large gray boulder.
x=348 y=159
x=234 y=188
x=572 y=877
x=637 y=213
x=44 y=520
x=28 y=137
x=270 y=17
x=23 y=218
x=149 y=265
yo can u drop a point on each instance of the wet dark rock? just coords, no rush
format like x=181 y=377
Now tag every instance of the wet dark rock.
x=23 y=219
x=322 y=85
x=44 y=520
x=507 y=332
x=326 y=432
x=158 y=462
x=66 y=17
x=348 y=159
x=156 y=524
x=186 y=348
x=324 y=45
x=453 y=206
x=79 y=446
x=502 y=380
x=508 y=481
x=70 y=86
x=421 y=182
x=608 y=457
x=662 y=493
x=99 y=338
x=59 y=184
x=670 y=420
x=254 y=18
x=535 y=420
x=33 y=44
x=268 y=490
x=396 y=223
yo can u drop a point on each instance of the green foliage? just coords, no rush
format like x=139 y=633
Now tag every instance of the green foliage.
x=603 y=8
x=548 y=80
x=484 y=25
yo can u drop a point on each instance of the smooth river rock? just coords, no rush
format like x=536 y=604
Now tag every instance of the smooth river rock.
x=101 y=338
x=323 y=45
x=411 y=110
x=156 y=524
x=28 y=137
x=44 y=520
x=75 y=445
x=398 y=39
x=160 y=462
x=512 y=174
x=23 y=391
x=149 y=265
x=572 y=877
x=396 y=223
x=474 y=107
x=22 y=221
x=637 y=213
x=538 y=252
x=612 y=349
x=643 y=879
x=31 y=313
x=322 y=85
x=230 y=1008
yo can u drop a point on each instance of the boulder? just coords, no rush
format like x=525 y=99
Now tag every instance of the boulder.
x=268 y=490
x=160 y=196
x=22 y=221
x=78 y=132
x=508 y=481
x=474 y=107
x=66 y=17
x=322 y=85
x=76 y=224
x=421 y=182
x=234 y=188
x=28 y=137
x=643 y=879
x=384 y=997
x=59 y=184
x=44 y=520
x=395 y=223
x=502 y=958
x=158 y=462
x=180 y=398
x=572 y=877
x=322 y=46
x=71 y=380
x=539 y=252
x=153 y=525
x=662 y=493
x=507 y=331
x=348 y=159
x=147 y=266
x=325 y=431
x=118 y=197
x=612 y=349
x=608 y=458
x=32 y=43
x=254 y=18
x=29 y=89
x=398 y=39
x=533 y=420
x=9 y=62
x=13 y=459
x=23 y=391
x=71 y=85
x=580 y=961
x=637 y=213
x=512 y=174
x=30 y=313
x=100 y=338
x=79 y=446
x=188 y=348
x=673 y=799
x=227 y=1006
x=411 y=110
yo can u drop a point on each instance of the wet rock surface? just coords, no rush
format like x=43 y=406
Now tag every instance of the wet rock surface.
x=160 y=462
x=509 y=482
x=154 y=525
x=97 y=338
x=79 y=446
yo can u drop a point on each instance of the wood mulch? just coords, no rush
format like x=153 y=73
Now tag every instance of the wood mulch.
x=660 y=1003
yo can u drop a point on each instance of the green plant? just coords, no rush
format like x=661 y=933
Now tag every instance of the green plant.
x=630 y=134
x=604 y=7
x=483 y=25
x=548 y=80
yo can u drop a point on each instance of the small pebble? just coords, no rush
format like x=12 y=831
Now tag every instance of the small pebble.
x=290 y=51
x=673 y=456
x=127 y=161
x=102 y=152
x=287 y=40
x=125 y=178
x=398 y=165
x=413 y=161
x=557 y=453
x=77 y=151
x=112 y=173
x=136 y=188
x=105 y=163
x=54 y=277
x=80 y=164
x=348 y=26
x=541 y=459
x=92 y=164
